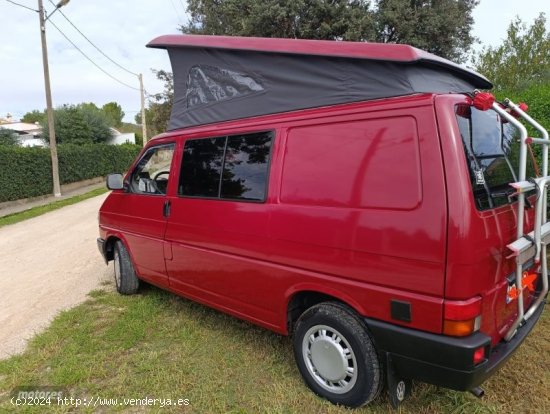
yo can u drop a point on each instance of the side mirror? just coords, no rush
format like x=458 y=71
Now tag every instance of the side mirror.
x=115 y=182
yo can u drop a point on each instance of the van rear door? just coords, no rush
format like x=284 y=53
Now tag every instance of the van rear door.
x=480 y=152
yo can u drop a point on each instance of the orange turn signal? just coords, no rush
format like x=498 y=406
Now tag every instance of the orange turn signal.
x=462 y=317
x=459 y=328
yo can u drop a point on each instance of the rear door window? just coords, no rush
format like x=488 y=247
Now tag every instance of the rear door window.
x=492 y=153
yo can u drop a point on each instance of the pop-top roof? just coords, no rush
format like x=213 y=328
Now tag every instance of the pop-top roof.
x=218 y=78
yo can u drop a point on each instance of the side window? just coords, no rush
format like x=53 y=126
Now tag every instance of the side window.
x=202 y=167
x=245 y=166
x=151 y=174
x=232 y=167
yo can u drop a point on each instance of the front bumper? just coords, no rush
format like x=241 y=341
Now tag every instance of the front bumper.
x=442 y=360
x=101 y=247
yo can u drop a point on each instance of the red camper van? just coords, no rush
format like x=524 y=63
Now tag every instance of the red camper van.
x=363 y=198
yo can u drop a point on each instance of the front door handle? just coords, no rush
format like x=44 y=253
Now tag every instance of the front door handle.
x=166 y=208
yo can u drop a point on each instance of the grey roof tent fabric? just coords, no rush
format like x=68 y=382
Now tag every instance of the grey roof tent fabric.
x=218 y=84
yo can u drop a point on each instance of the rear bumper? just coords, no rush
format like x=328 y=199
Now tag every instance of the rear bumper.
x=442 y=360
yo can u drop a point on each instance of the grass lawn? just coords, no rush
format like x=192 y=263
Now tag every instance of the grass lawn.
x=158 y=345
x=38 y=211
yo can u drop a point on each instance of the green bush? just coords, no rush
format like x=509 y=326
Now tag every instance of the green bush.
x=538 y=99
x=27 y=172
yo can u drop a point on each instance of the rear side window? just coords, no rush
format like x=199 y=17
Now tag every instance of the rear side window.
x=230 y=167
x=492 y=153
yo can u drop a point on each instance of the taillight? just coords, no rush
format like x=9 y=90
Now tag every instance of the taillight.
x=479 y=355
x=461 y=317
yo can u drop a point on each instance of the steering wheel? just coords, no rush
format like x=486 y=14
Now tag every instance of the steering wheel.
x=160 y=185
x=157 y=175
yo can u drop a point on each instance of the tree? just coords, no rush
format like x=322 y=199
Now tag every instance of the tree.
x=522 y=60
x=157 y=114
x=442 y=27
x=349 y=20
x=97 y=121
x=439 y=26
x=79 y=124
x=8 y=137
x=34 y=116
x=114 y=114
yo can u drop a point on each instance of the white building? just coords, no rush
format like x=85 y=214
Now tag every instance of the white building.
x=29 y=135
x=121 y=137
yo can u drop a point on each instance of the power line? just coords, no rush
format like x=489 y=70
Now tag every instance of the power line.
x=177 y=12
x=182 y=6
x=91 y=61
x=89 y=41
x=22 y=5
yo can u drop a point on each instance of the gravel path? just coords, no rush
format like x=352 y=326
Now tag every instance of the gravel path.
x=47 y=264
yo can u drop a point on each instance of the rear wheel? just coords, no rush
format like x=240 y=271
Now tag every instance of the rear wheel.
x=336 y=356
x=126 y=280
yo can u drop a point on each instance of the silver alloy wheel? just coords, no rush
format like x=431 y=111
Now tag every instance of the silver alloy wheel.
x=118 y=275
x=329 y=359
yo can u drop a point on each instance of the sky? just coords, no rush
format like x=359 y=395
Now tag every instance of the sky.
x=121 y=29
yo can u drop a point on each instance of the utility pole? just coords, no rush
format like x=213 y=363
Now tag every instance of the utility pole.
x=143 y=122
x=51 y=127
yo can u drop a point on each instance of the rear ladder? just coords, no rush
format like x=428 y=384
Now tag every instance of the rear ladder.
x=530 y=246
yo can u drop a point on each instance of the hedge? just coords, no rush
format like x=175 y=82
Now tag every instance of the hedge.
x=27 y=172
x=538 y=99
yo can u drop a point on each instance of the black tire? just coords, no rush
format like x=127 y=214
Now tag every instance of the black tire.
x=126 y=280
x=336 y=356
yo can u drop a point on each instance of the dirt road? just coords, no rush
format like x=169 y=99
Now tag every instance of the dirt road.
x=47 y=264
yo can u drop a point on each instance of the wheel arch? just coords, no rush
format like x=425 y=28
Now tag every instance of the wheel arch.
x=109 y=247
x=110 y=239
x=304 y=297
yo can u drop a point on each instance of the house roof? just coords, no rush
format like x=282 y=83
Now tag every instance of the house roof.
x=22 y=127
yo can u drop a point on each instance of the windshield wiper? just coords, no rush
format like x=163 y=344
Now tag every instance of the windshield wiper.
x=510 y=194
x=505 y=193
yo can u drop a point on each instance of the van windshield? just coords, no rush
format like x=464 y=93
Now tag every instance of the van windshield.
x=492 y=153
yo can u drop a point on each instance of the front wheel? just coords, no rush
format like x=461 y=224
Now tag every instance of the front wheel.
x=336 y=356
x=126 y=280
